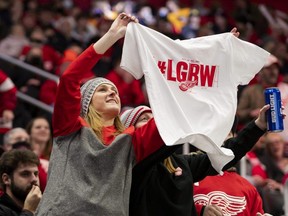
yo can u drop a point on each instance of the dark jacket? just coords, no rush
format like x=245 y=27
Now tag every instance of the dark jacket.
x=156 y=192
x=9 y=208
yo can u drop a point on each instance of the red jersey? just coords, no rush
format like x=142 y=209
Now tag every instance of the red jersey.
x=231 y=192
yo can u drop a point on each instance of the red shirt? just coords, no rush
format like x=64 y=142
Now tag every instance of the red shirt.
x=257 y=167
x=7 y=97
x=51 y=58
x=231 y=192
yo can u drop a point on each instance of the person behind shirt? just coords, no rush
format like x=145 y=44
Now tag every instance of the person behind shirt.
x=251 y=99
x=232 y=195
x=91 y=146
x=165 y=187
x=19 y=179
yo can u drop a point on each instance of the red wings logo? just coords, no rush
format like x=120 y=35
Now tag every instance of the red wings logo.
x=230 y=205
x=184 y=86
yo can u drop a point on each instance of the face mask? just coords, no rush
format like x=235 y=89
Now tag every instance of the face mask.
x=35 y=61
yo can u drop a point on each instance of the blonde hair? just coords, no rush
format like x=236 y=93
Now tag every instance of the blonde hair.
x=93 y=118
x=169 y=165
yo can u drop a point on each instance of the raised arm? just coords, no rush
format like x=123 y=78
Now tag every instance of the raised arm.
x=247 y=137
x=66 y=116
x=200 y=164
x=116 y=32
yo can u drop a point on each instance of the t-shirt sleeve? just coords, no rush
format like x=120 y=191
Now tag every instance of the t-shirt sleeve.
x=130 y=60
x=247 y=59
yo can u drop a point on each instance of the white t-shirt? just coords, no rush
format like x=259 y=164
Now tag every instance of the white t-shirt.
x=192 y=84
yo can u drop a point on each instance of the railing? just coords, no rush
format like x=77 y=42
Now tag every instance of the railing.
x=243 y=167
x=34 y=70
x=34 y=102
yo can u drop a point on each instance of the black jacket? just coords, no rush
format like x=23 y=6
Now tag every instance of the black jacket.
x=9 y=208
x=156 y=192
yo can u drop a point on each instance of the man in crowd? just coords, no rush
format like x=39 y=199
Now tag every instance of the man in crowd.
x=20 y=183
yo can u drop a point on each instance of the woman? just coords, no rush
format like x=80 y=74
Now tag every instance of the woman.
x=165 y=187
x=91 y=163
x=41 y=144
x=40 y=137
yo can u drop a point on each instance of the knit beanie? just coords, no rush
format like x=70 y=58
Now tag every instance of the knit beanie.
x=129 y=117
x=87 y=91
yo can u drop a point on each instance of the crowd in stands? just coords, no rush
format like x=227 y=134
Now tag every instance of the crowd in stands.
x=50 y=34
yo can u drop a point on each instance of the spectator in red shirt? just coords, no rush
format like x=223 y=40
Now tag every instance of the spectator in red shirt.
x=8 y=104
x=232 y=194
x=50 y=57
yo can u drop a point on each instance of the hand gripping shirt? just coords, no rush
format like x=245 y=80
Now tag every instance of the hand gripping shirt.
x=192 y=84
